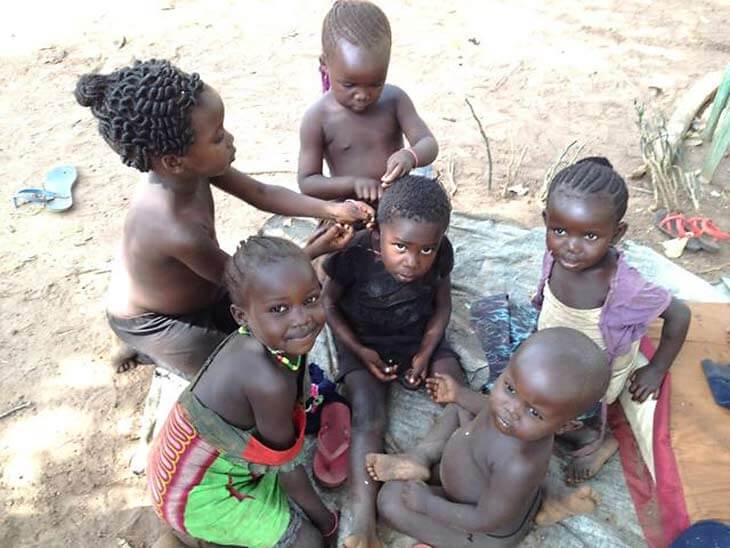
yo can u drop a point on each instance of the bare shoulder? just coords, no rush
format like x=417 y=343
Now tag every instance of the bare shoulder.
x=151 y=212
x=258 y=372
x=314 y=115
x=393 y=93
x=246 y=369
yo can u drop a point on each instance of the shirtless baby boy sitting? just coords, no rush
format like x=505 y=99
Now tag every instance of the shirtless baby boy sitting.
x=486 y=474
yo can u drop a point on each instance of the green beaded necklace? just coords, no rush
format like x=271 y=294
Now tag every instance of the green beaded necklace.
x=278 y=355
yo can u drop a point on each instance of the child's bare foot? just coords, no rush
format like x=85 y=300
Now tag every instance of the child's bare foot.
x=583 y=468
x=570 y=502
x=402 y=466
x=357 y=540
x=124 y=357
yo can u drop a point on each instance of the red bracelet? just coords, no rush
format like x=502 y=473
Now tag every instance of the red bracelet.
x=335 y=526
x=415 y=156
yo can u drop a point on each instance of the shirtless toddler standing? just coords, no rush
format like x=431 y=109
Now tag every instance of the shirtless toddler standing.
x=357 y=126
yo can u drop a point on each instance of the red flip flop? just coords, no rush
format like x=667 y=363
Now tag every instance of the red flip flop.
x=707 y=232
x=704 y=226
x=331 y=459
x=675 y=225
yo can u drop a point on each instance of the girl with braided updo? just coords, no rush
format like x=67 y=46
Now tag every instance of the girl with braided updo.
x=167 y=304
x=358 y=125
x=227 y=465
x=586 y=284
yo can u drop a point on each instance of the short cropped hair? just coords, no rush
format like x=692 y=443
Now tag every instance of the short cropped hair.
x=416 y=198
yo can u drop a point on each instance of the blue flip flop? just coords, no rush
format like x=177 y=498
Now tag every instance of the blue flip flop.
x=718 y=377
x=60 y=181
x=32 y=196
x=56 y=193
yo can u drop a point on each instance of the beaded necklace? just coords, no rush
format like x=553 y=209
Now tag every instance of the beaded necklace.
x=278 y=355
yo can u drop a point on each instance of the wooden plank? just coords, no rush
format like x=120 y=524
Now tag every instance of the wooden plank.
x=710 y=324
x=700 y=431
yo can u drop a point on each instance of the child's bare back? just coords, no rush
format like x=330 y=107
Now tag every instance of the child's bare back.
x=491 y=467
x=149 y=274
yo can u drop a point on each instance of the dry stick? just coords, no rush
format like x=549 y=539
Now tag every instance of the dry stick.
x=486 y=143
x=713 y=268
x=15 y=409
x=639 y=189
x=563 y=161
x=451 y=175
x=514 y=165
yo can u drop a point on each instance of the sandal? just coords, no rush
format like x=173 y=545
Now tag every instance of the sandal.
x=718 y=378
x=32 y=196
x=60 y=180
x=56 y=193
x=674 y=225
x=333 y=446
x=707 y=232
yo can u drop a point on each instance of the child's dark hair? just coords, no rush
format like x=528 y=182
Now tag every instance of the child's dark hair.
x=143 y=110
x=417 y=198
x=593 y=175
x=359 y=22
x=254 y=253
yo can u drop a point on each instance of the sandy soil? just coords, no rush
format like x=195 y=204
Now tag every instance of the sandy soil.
x=540 y=75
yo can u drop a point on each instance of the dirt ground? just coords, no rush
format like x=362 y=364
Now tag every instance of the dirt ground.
x=540 y=75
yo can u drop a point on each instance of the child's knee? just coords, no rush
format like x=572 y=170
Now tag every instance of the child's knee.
x=450 y=366
x=389 y=500
x=367 y=396
x=369 y=416
x=308 y=536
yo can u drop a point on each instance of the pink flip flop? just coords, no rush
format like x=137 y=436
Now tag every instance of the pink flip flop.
x=331 y=460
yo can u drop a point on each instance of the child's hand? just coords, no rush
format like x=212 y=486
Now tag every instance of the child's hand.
x=414 y=495
x=442 y=388
x=417 y=373
x=380 y=370
x=350 y=211
x=646 y=382
x=334 y=238
x=399 y=164
x=366 y=189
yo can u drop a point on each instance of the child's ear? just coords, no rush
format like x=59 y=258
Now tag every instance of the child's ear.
x=239 y=314
x=172 y=163
x=619 y=233
x=375 y=235
x=544 y=216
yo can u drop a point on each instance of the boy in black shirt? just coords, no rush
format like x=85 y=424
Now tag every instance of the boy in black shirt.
x=388 y=302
